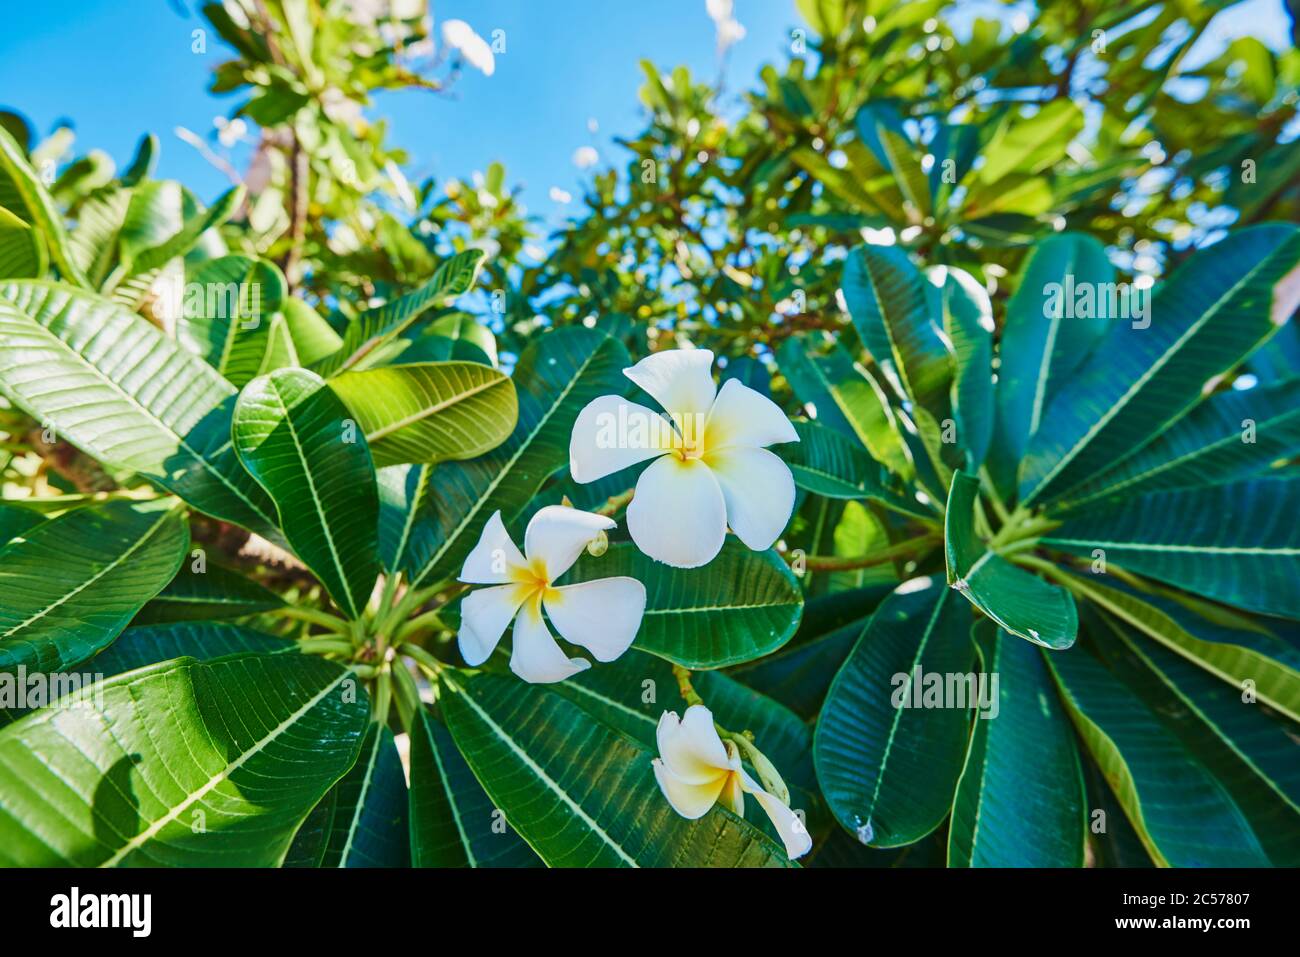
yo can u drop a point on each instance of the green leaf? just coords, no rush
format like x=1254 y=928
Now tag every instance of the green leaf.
x=1231 y=436
x=369 y=824
x=22 y=253
x=127 y=776
x=880 y=127
x=119 y=390
x=142 y=645
x=1183 y=815
x=1237 y=543
x=1249 y=751
x=742 y=605
x=800 y=672
x=466 y=333
x=72 y=583
x=136 y=262
x=968 y=324
x=15 y=520
x=431 y=412
x=826 y=462
x=313 y=337
x=1020 y=800
x=1224 y=303
x=1234 y=654
x=887 y=766
x=227 y=319
x=1020 y=602
x=1040 y=346
x=1031 y=144
x=38 y=208
x=890 y=304
x=605 y=810
x=453 y=822
x=844 y=396
x=556 y=377
x=377 y=326
x=292 y=434
x=213 y=594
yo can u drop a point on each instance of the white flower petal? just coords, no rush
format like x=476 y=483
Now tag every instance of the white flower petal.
x=460 y=36
x=602 y=616
x=484 y=615
x=743 y=417
x=611 y=434
x=794 y=835
x=678 y=515
x=679 y=379
x=689 y=800
x=536 y=657
x=759 y=492
x=493 y=557
x=691 y=747
x=557 y=535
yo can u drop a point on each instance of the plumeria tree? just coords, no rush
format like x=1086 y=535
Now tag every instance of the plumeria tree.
x=891 y=463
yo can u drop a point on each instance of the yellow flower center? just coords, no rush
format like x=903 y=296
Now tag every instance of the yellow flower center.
x=533 y=582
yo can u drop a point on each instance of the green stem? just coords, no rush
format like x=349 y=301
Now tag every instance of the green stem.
x=688 y=693
x=991 y=493
x=316 y=617
x=430 y=619
x=908 y=549
x=422 y=657
x=326 y=646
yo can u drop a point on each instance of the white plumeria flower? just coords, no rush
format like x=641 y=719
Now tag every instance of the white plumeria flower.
x=602 y=615
x=585 y=157
x=696 y=769
x=460 y=36
x=712 y=469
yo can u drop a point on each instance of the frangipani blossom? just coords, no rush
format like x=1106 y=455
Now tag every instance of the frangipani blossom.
x=460 y=36
x=602 y=615
x=696 y=769
x=712 y=469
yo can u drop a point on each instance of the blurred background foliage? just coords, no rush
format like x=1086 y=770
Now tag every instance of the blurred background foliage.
x=728 y=216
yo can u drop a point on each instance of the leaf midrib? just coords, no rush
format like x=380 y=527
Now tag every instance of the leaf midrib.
x=148 y=834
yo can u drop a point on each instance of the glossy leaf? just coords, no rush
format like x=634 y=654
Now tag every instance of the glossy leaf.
x=1237 y=543
x=453 y=821
x=121 y=391
x=123 y=777
x=1020 y=799
x=227 y=319
x=382 y=324
x=740 y=606
x=72 y=583
x=1145 y=375
x=38 y=208
x=1044 y=342
x=295 y=437
x=887 y=764
x=22 y=251
x=1228 y=437
x=369 y=824
x=1020 y=602
x=213 y=594
x=891 y=308
x=430 y=412
x=968 y=324
x=1183 y=816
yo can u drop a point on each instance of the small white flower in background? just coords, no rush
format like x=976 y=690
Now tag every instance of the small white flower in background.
x=229 y=132
x=696 y=769
x=601 y=615
x=729 y=28
x=712 y=469
x=460 y=36
x=585 y=157
x=560 y=195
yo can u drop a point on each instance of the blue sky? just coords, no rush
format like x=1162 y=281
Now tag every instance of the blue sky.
x=118 y=68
